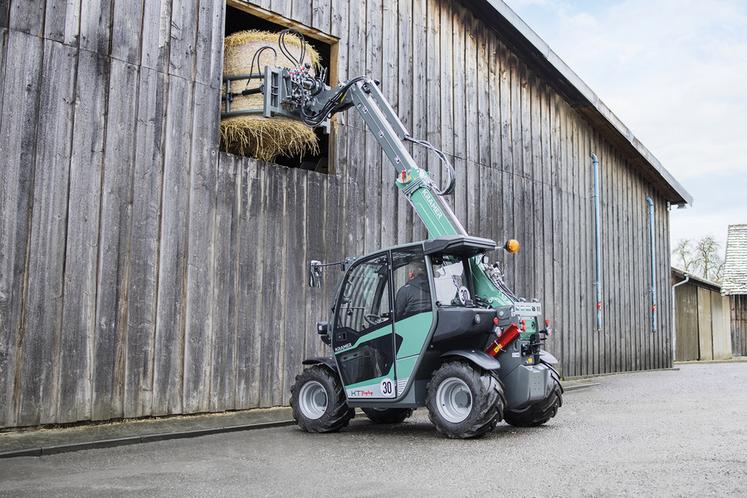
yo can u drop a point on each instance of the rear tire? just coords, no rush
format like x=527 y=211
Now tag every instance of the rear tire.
x=464 y=401
x=318 y=401
x=540 y=412
x=387 y=415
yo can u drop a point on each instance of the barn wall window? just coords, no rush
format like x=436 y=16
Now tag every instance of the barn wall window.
x=241 y=17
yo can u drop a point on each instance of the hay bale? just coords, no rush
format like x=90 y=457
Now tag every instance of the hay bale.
x=255 y=135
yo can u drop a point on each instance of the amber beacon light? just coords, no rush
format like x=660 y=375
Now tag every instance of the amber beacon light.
x=512 y=246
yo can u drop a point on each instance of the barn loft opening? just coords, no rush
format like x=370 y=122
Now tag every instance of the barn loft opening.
x=241 y=17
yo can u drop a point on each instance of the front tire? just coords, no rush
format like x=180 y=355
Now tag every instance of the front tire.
x=540 y=412
x=318 y=401
x=464 y=401
x=387 y=415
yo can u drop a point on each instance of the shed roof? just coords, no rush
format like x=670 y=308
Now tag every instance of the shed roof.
x=699 y=281
x=735 y=267
x=525 y=41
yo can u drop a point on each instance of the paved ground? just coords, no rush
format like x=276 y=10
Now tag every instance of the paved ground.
x=669 y=433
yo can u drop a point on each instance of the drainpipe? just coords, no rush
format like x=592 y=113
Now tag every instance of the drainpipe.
x=597 y=249
x=653 y=261
x=674 y=316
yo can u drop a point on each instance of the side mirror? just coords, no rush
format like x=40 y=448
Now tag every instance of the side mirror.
x=315 y=273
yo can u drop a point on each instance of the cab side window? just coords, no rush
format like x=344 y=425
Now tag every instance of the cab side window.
x=411 y=283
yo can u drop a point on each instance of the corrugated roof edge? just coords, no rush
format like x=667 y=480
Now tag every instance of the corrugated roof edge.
x=678 y=194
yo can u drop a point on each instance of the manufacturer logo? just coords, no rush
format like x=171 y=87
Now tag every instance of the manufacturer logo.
x=360 y=393
x=343 y=347
x=432 y=203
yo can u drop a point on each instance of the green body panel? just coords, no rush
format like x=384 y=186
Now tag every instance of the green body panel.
x=414 y=331
x=406 y=367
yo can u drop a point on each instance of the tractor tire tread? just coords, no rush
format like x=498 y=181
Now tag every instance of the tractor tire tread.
x=338 y=412
x=490 y=393
x=540 y=412
x=388 y=415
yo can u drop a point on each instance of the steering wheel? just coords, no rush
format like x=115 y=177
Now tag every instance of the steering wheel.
x=372 y=318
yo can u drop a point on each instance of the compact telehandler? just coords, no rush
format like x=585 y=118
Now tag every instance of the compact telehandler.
x=426 y=324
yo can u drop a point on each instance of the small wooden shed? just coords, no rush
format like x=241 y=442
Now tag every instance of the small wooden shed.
x=701 y=319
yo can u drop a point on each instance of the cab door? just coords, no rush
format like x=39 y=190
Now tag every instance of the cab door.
x=363 y=338
x=413 y=311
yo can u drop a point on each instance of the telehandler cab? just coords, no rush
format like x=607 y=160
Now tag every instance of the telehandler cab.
x=427 y=324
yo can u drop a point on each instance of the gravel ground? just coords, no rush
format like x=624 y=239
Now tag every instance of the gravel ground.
x=667 y=433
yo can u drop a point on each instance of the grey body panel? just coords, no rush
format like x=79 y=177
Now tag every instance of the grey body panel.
x=479 y=358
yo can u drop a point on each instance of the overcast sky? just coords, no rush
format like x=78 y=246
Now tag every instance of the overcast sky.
x=675 y=72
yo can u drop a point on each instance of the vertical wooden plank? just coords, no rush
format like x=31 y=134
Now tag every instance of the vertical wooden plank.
x=182 y=38
x=705 y=331
x=416 y=76
x=433 y=90
x=150 y=136
x=225 y=296
x=95 y=24
x=556 y=164
x=4 y=14
x=271 y=319
x=200 y=277
x=471 y=122
x=27 y=16
x=297 y=323
x=459 y=127
x=62 y=21
x=315 y=236
x=168 y=372
x=126 y=29
x=389 y=85
x=40 y=372
x=156 y=32
x=209 y=43
x=373 y=164
x=547 y=242
x=321 y=13
x=406 y=25
x=79 y=309
x=720 y=327
x=250 y=178
x=19 y=106
x=301 y=11
x=447 y=88
x=269 y=328
x=355 y=127
x=109 y=348
x=282 y=7
x=494 y=201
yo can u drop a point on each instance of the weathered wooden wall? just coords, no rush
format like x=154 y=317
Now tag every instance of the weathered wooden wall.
x=738 y=307
x=143 y=272
x=702 y=322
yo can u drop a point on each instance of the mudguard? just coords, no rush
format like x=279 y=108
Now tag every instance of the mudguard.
x=548 y=358
x=479 y=358
x=321 y=360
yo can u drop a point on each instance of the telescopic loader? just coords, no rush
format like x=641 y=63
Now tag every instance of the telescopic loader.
x=426 y=324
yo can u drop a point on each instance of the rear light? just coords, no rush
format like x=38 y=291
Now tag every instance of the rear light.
x=523 y=325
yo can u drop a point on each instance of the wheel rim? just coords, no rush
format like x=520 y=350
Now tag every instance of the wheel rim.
x=313 y=400
x=454 y=400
